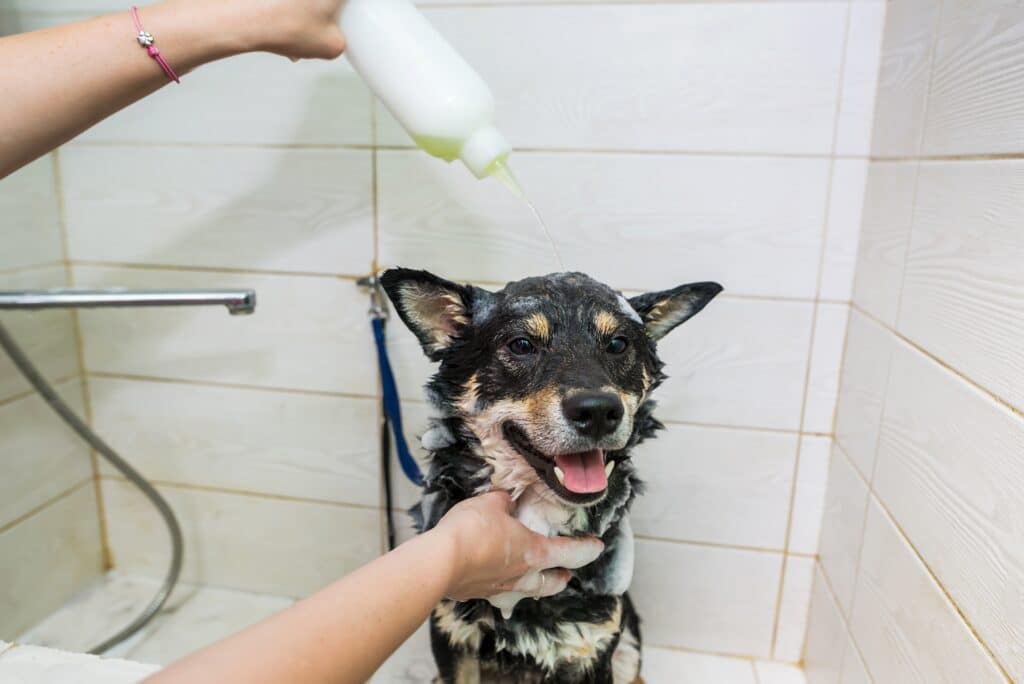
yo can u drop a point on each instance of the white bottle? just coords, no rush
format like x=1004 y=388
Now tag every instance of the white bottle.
x=440 y=100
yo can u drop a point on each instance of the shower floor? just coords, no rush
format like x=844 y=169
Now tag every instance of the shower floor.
x=196 y=616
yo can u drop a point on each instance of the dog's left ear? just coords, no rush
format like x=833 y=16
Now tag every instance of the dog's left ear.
x=436 y=310
x=663 y=311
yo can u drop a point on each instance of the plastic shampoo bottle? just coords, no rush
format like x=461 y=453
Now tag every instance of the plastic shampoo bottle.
x=440 y=100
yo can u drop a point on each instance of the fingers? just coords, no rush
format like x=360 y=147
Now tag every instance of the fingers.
x=541 y=584
x=569 y=552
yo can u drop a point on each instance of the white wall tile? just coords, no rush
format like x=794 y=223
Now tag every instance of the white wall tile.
x=47 y=337
x=826 y=635
x=307 y=333
x=726 y=595
x=845 y=208
x=258 y=99
x=715 y=485
x=739 y=362
x=963 y=296
x=903 y=77
x=242 y=208
x=809 y=500
x=826 y=364
x=792 y=620
x=860 y=77
x=862 y=391
x=885 y=235
x=633 y=221
x=949 y=469
x=975 y=105
x=842 y=527
x=47 y=559
x=307 y=446
x=252 y=543
x=41 y=457
x=907 y=629
x=765 y=74
x=31 y=223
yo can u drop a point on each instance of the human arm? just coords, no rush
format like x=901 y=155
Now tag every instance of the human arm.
x=345 y=632
x=56 y=83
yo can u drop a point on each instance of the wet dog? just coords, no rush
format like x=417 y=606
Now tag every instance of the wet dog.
x=543 y=390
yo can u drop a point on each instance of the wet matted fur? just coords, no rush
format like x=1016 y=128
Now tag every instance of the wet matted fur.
x=543 y=390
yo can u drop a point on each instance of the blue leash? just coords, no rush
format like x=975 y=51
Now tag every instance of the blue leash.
x=392 y=407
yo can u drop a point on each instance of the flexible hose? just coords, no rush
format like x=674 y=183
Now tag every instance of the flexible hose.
x=32 y=375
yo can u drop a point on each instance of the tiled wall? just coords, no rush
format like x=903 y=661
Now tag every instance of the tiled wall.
x=663 y=142
x=49 y=523
x=921 y=554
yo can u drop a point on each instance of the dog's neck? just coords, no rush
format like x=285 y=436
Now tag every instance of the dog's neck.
x=460 y=467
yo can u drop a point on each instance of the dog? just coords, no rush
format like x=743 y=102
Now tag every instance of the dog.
x=543 y=390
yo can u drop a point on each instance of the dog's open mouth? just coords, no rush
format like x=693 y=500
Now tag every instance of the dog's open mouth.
x=580 y=477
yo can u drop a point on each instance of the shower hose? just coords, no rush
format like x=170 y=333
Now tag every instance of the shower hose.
x=35 y=378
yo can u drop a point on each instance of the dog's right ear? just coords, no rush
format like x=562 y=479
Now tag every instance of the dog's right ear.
x=435 y=309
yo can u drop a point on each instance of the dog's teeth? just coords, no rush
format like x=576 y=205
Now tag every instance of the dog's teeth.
x=560 y=474
x=609 y=468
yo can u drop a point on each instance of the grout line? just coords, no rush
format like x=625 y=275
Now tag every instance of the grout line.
x=39 y=508
x=932 y=46
x=382 y=526
x=76 y=327
x=356 y=276
x=402 y=148
x=222 y=270
x=995 y=398
x=847 y=630
x=935 y=158
x=753 y=669
x=718 y=654
x=16 y=270
x=829 y=186
x=420 y=401
x=711 y=545
x=230 y=385
x=14 y=398
x=243 y=493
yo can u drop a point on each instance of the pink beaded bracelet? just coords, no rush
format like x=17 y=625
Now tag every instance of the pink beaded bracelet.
x=146 y=40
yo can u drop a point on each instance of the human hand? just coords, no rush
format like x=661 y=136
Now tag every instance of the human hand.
x=492 y=552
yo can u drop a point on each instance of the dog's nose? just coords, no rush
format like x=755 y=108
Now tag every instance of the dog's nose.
x=594 y=414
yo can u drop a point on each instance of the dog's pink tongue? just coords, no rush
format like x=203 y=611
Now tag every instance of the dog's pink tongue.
x=584 y=472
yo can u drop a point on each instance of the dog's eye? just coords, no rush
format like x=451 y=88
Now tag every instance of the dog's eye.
x=617 y=345
x=521 y=346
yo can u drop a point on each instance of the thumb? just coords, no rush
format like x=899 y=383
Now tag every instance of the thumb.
x=333 y=42
x=569 y=552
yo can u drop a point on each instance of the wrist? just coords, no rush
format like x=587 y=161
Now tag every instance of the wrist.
x=445 y=545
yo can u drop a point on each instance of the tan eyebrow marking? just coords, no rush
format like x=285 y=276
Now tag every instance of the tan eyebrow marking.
x=538 y=326
x=605 y=322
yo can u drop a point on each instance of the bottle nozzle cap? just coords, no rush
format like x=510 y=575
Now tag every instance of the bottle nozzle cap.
x=485 y=147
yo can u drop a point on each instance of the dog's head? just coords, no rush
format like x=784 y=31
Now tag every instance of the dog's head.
x=547 y=374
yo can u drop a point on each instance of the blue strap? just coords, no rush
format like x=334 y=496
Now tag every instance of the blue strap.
x=392 y=407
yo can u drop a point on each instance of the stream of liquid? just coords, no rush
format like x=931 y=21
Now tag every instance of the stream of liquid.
x=504 y=174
